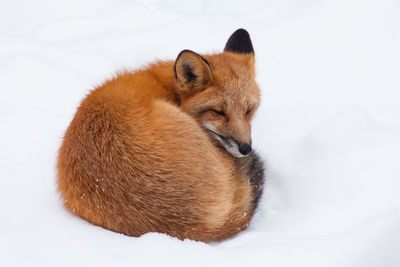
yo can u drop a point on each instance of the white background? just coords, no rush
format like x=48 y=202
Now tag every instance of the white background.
x=328 y=126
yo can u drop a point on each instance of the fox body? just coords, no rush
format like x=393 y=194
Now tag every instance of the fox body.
x=168 y=148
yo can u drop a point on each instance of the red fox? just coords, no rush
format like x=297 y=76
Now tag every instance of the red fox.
x=168 y=148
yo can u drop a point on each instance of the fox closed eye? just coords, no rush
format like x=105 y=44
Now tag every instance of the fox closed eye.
x=249 y=111
x=221 y=113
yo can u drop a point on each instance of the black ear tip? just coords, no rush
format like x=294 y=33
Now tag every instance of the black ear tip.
x=239 y=42
x=242 y=32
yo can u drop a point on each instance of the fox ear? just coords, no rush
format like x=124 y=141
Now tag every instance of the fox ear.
x=239 y=42
x=192 y=72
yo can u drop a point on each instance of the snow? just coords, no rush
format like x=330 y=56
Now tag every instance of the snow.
x=328 y=126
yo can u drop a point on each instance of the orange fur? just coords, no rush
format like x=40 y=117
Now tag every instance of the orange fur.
x=136 y=157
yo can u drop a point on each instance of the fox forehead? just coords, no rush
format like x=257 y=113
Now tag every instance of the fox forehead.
x=230 y=95
x=234 y=77
x=238 y=103
x=228 y=70
x=239 y=93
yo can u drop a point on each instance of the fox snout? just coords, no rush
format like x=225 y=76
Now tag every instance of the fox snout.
x=245 y=149
x=240 y=133
x=236 y=148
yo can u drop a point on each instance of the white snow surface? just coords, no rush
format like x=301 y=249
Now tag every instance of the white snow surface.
x=328 y=126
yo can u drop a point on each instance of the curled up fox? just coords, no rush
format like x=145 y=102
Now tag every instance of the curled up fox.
x=167 y=148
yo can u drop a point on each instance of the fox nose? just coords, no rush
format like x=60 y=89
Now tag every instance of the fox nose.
x=245 y=149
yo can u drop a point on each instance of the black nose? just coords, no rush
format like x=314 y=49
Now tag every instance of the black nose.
x=245 y=149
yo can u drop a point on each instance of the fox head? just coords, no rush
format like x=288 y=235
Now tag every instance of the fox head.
x=220 y=91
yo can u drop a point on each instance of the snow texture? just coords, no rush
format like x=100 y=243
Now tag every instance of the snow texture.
x=328 y=126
